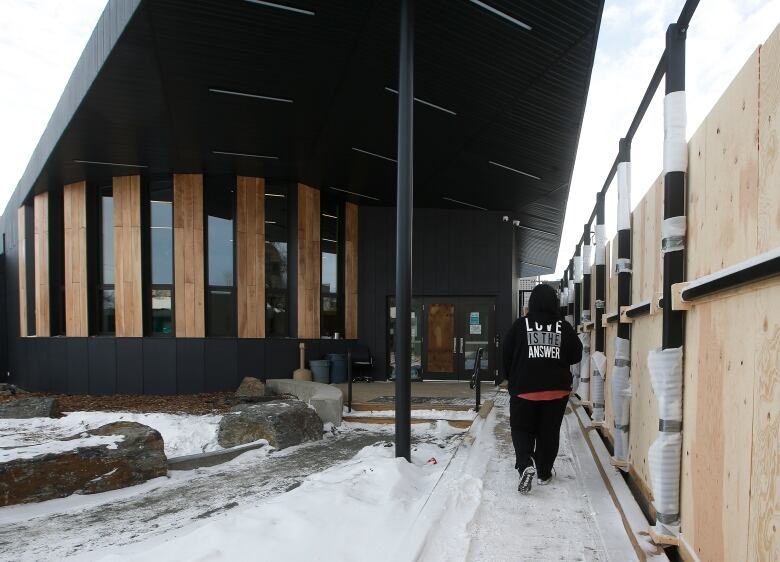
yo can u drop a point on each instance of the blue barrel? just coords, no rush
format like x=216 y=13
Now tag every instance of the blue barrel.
x=320 y=370
x=338 y=367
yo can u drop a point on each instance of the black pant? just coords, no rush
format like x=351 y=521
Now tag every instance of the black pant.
x=536 y=429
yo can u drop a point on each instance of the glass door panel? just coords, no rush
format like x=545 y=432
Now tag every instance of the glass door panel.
x=476 y=330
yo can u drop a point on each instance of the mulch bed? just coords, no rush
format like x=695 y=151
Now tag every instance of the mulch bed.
x=207 y=403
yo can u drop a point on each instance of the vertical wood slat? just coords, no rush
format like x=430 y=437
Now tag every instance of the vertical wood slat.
x=127 y=256
x=250 y=254
x=22 y=253
x=75 y=237
x=309 y=262
x=41 y=238
x=351 y=271
x=189 y=287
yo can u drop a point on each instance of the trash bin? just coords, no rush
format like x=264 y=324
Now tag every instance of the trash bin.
x=338 y=367
x=320 y=370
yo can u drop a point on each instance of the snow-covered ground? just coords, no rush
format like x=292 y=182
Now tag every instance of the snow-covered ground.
x=183 y=434
x=420 y=414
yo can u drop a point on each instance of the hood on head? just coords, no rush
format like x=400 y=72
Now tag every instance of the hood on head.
x=543 y=301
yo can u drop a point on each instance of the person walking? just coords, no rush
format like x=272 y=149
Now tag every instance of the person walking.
x=538 y=350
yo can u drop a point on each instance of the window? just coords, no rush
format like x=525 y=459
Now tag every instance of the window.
x=219 y=204
x=105 y=289
x=161 y=257
x=277 y=321
x=331 y=309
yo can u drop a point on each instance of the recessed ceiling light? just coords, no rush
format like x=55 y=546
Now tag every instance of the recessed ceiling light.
x=515 y=170
x=263 y=156
x=248 y=95
x=536 y=230
x=275 y=195
x=464 y=203
x=110 y=164
x=355 y=194
x=501 y=14
x=329 y=240
x=282 y=7
x=329 y=216
x=270 y=222
x=374 y=154
x=422 y=101
x=534 y=264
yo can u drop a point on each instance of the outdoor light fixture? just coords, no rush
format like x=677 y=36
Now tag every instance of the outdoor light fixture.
x=248 y=95
x=110 y=164
x=429 y=104
x=329 y=240
x=274 y=195
x=270 y=222
x=282 y=7
x=464 y=203
x=374 y=154
x=535 y=264
x=246 y=155
x=355 y=194
x=522 y=173
x=500 y=14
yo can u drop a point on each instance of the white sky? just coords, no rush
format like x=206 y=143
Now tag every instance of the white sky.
x=41 y=40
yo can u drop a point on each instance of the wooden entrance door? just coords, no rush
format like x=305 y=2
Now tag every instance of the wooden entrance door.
x=441 y=344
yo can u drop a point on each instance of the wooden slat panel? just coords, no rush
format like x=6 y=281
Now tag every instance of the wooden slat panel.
x=441 y=331
x=189 y=283
x=351 y=271
x=127 y=256
x=309 y=262
x=250 y=253
x=75 y=238
x=22 y=263
x=41 y=227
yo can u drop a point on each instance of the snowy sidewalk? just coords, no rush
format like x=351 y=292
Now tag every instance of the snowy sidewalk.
x=571 y=519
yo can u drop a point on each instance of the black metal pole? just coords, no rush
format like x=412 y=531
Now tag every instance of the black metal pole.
x=403 y=256
x=349 y=381
x=624 y=240
x=586 y=249
x=674 y=195
x=571 y=292
x=577 y=285
x=599 y=261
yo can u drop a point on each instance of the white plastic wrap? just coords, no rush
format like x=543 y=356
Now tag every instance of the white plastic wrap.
x=586 y=259
x=578 y=269
x=583 y=368
x=623 y=265
x=673 y=234
x=624 y=196
x=599 y=361
x=601 y=239
x=586 y=315
x=621 y=396
x=570 y=319
x=571 y=295
x=675 y=145
x=665 y=366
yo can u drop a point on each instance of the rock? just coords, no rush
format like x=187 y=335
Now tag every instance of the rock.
x=138 y=457
x=8 y=389
x=251 y=387
x=34 y=407
x=282 y=423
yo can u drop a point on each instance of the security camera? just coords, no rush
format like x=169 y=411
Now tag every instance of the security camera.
x=516 y=222
x=505 y=218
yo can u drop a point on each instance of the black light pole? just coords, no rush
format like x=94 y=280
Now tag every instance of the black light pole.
x=624 y=237
x=403 y=250
x=601 y=272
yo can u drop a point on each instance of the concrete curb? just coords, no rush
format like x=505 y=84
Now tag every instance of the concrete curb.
x=212 y=458
x=326 y=400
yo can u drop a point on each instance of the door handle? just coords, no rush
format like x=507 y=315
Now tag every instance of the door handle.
x=454 y=345
x=461 y=346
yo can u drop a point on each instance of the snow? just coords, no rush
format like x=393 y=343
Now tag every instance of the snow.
x=84 y=440
x=420 y=414
x=183 y=434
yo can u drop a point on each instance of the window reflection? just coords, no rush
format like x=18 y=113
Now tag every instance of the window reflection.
x=161 y=257
x=106 y=294
x=276 y=261
x=219 y=204
x=331 y=315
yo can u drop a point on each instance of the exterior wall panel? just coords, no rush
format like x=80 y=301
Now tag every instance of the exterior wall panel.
x=127 y=256
x=309 y=262
x=75 y=238
x=188 y=270
x=250 y=256
x=351 y=272
x=42 y=293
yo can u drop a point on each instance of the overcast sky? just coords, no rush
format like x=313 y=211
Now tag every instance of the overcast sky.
x=41 y=40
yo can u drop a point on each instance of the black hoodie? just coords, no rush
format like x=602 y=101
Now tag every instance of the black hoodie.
x=539 y=347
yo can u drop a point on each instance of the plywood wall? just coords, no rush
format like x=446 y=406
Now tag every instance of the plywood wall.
x=21 y=226
x=250 y=256
x=75 y=238
x=351 y=271
x=309 y=262
x=188 y=263
x=127 y=256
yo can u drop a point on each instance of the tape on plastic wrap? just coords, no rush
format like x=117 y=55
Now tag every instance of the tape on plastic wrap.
x=624 y=196
x=623 y=265
x=601 y=251
x=586 y=315
x=599 y=304
x=675 y=146
x=586 y=259
x=565 y=297
x=578 y=269
x=673 y=234
x=571 y=294
x=583 y=368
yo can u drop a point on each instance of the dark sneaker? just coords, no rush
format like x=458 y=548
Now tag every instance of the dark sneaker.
x=526 y=480
x=545 y=482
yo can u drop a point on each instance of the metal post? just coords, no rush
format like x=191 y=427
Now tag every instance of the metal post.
x=624 y=234
x=570 y=306
x=349 y=381
x=600 y=260
x=577 y=285
x=586 y=313
x=403 y=263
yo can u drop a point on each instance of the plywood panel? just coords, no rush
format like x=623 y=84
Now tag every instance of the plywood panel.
x=309 y=262
x=75 y=238
x=22 y=265
x=351 y=271
x=41 y=229
x=769 y=155
x=441 y=332
x=127 y=256
x=189 y=288
x=250 y=254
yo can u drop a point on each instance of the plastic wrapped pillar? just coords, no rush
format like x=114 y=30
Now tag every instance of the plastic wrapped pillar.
x=621 y=398
x=599 y=361
x=586 y=277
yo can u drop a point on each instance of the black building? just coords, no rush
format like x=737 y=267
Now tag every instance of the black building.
x=217 y=184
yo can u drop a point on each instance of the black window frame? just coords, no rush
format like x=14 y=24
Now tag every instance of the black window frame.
x=100 y=286
x=147 y=258
x=340 y=248
x=213 y=183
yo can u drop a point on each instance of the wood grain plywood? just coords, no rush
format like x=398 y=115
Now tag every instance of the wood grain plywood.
x=769 y=135
x=351 y=271
x=41 y=244
x=309 y=262
x=75 y=238
x=441 y=331
x=22 y=266
x=250 y=254
x=188 y=261
x=127 y=256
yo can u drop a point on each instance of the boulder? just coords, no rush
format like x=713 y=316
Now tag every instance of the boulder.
x=33 y=407
x=128 y=453
x=251 y=387
x=8 y=389
x=282 y=423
